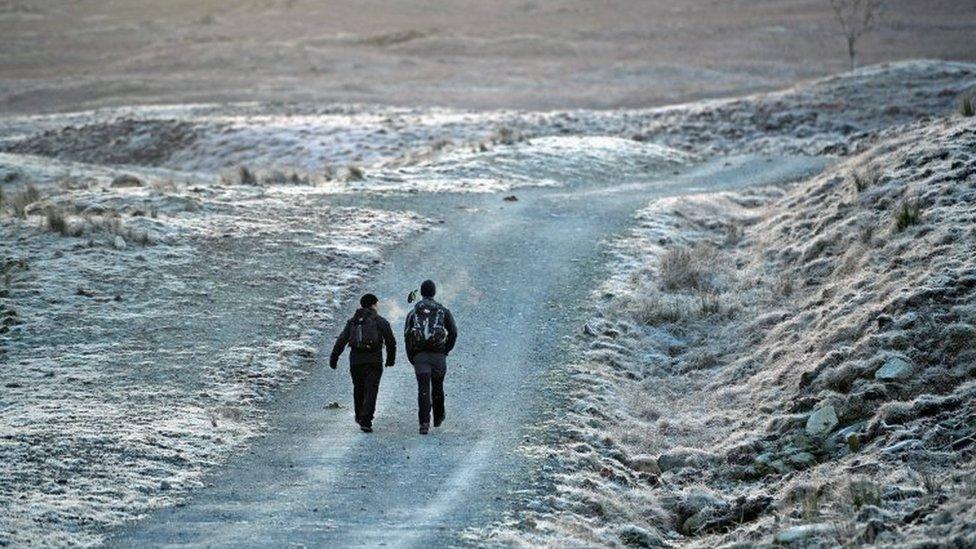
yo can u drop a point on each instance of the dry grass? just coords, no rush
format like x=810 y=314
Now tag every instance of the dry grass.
x=865 y=177
x=21 y=200
x=57 y=221
x=684 y=268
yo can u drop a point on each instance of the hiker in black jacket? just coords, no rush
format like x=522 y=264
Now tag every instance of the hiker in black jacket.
x=365 y=334
x=429 y=336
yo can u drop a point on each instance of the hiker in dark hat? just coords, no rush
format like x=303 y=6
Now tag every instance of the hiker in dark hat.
x=429 y=335
x=365 y=334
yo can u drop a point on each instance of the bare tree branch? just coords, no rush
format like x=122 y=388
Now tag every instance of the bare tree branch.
x=856 y=17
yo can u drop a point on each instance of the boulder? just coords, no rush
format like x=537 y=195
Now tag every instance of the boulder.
x=894 y=369
x=821 y=421
x=119 y=242
x=802 y=460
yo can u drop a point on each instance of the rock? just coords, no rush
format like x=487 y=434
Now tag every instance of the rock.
x=635 y=536
x=511 y=198
x=127 y=181
x=910 y=445
x=802 y=533
x=898 y=493
x=333 y=406
x=165 y=485
x=645 y=464
x=821 y=421
x=894 y=369
x=119 y=242
x=802 y=460
x=685 y=457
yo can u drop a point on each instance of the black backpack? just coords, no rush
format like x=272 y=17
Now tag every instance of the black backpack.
x=427 y=331
x=364 y=335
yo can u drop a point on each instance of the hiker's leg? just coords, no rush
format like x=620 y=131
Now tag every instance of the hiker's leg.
x=371 y=387
x=437 y=395
x=423 y=395
x=358 y=385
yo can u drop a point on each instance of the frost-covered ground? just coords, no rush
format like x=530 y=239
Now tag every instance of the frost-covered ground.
x=179 y=262
x=784 y=366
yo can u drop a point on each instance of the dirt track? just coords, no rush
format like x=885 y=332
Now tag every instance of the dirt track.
x=317 y=480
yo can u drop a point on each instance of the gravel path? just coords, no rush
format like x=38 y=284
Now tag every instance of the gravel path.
x=516 y=275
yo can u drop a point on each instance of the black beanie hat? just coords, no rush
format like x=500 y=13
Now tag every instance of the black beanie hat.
x=427 y=289
x=368 y=301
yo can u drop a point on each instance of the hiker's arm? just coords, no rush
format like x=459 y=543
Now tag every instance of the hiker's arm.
x=451 y=332
x=339 y=346
x=390 y=342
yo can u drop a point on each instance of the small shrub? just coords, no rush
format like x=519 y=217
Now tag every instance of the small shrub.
x=246 y=176
x=909 y=213
x=58 y=222
x=355 y=173
x=967 y=105
x=863 y=492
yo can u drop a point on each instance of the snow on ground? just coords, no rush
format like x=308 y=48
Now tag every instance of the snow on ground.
x=139 y=347
x=786 y=366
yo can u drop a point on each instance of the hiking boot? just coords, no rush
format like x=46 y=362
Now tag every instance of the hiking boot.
x=366 y=428
x=424 y=428
x=438 y=421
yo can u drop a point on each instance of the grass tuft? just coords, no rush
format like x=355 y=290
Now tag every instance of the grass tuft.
x=909 y=213
x=863 y=492
x=22 y=199
x=865 y=177
x=687 y=268
x=967 y=105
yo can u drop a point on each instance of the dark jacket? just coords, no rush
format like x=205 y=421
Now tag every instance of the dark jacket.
x=357 y=357
x=444 y=348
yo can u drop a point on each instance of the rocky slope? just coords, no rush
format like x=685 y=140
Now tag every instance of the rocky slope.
x=783 y=366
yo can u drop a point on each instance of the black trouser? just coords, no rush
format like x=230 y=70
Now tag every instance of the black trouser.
x=365 y=386
x=430 y=389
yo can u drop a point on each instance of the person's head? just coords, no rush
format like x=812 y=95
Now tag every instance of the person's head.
x=368 y=301
x=428 y=289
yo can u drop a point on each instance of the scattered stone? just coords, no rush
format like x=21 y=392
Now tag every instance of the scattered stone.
x=894 y=369
x=511 y=198
x=165 y=485
x=333 y=406
x=802 y=533
x=802 y=460
x=821 y=421
x=119 y=242
x=127 y=181
x=588 y=330
x=83 y=292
